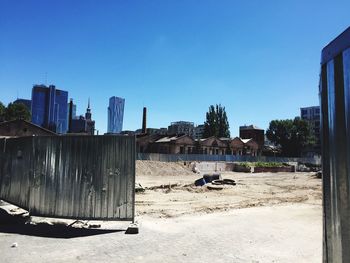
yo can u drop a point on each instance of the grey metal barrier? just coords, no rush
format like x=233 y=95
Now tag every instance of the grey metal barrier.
x=221 y=158
x=335 y=123
x=80 y=177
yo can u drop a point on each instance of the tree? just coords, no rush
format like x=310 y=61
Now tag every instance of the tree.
x=2 y=111
x=17 y=111
x=291 y=135
x=216 y=123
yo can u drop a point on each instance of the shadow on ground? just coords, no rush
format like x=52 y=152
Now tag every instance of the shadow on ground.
x=16 y=224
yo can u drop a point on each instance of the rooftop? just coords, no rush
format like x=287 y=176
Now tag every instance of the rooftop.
x=249 y=127
x=182 y=123
x=169 y=138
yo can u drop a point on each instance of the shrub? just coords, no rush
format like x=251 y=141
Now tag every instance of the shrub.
x=269 y=164
x=245 y=164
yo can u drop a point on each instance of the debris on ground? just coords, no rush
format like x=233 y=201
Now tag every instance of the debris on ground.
x=200 y=182
x=8 y=217
x=319 y=174
x=211 y=177
x=163 y=186
x=195 y=168
x=14 y=245
x=132 y=229
x=94 y=225
x=308 y=167
x=139 y=188
x=213 y=181
x=214 y=187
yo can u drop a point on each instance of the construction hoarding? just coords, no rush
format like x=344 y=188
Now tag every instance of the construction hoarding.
x=81 y=177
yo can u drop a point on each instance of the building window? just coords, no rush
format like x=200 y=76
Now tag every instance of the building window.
x=182 y=150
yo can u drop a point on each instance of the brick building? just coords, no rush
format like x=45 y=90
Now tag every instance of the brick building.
x=212 y=145
x=184 y=144
x=241 y=146
x=253 y=132
x=19 y=128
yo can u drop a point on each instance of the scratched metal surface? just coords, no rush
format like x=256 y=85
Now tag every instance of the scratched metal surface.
x=82 y=177
x=335 y=123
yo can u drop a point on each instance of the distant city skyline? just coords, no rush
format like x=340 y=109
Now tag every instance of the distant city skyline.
x=261 y=60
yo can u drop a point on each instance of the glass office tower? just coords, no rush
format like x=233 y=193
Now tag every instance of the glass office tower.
x=335 y=137
x=115 y=114
x=49 y=108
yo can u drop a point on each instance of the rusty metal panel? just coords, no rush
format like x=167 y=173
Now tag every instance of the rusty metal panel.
x=83 y=177
x=335 y=123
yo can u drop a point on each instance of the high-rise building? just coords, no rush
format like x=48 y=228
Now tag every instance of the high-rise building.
x=49 y=108
x=312 y=116
x=198 y=131
x=182 y=127
x=115 y=114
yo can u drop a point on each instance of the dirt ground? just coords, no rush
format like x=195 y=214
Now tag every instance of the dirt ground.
x=173 y=194
x=264 y=218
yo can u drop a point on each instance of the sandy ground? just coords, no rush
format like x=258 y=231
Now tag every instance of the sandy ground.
x=169 y=195
x=264 y=218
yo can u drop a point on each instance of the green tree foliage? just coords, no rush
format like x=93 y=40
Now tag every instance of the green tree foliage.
x=17 y=111
x=291 y=135
x=216 y=123
x=2 y=111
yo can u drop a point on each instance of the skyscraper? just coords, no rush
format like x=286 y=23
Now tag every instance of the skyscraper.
x=49 y=108
x=115 y=114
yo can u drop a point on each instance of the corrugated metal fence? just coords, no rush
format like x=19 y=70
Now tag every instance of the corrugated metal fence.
x=335 y=123
x=82 y=177
x=221 y=158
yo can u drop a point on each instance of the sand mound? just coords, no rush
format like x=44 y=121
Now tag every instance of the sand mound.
x=156 y=168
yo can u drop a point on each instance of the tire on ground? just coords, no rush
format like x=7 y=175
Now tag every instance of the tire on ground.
x=214 y=187
x=229 y=181
x=218 y=182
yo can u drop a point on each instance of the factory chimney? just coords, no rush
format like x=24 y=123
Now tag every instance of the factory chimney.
x=144 y=118
x=70 y=116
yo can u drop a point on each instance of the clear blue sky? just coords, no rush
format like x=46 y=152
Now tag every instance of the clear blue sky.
x=260 y=59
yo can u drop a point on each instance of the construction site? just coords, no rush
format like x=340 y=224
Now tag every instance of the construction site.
x=73 y=191
x=256 y=217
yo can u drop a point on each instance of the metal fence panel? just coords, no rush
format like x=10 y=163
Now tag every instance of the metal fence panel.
x=83 y=177
x=16 y=156
x=221 y=158
x=335 y=123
